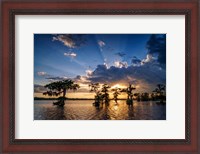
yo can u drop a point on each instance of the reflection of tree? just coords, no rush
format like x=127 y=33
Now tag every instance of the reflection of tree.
x=106 y=112
x=56 y=113
x=131 y=113
x=60 y=87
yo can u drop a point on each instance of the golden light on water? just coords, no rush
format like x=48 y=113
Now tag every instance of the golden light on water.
x=137 y=86
x=115 y=107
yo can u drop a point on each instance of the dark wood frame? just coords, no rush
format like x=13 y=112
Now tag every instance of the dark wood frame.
x=189 y=8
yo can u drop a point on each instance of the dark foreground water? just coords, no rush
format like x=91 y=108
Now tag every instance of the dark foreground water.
x=84 y=110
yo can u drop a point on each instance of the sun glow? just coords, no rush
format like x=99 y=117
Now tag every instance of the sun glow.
x=118 y=86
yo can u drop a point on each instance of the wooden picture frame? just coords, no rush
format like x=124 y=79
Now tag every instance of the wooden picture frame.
x=11 y=8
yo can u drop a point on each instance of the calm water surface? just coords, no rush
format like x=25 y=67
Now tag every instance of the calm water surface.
x=84 y=110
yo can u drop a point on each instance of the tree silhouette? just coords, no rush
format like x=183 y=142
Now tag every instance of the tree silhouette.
x=60 y=88
x=138 y=96
x=160 y=91
x=116 y=93
x=95 y=87
x=130 y=94
x=105 y=94
x=145 y=96
x=153 y=96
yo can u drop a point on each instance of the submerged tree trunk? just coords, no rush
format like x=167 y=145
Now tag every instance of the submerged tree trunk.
x=129 y=100
x=61 y=101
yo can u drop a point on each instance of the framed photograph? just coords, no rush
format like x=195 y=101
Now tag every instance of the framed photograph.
x=100 y=76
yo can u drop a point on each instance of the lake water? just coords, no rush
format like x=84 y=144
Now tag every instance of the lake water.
x=84 y=110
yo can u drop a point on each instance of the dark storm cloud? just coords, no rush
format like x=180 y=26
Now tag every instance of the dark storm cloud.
x=39 y=88
x=147 y=74
x=157 y=46
x=102 y=74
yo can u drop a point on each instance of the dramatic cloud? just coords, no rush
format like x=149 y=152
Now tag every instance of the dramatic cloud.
x=70 y=54
x=88 y=72
x=145 y=77
x=157 y=47
x=135 y=61
x=81 y=79
x=101 y=43
x=70 y=40
x=149 y=58
x=83 y=83
x=42 y=73
x=106 y=65
x=57 y=78
x=120 y=54
x=66 y=40
x=120 y=64
x=39 y=88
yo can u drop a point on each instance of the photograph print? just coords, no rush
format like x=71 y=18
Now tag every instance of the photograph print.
x=99 y=77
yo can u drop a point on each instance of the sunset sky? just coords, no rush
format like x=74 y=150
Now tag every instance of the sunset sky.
x=115 y=59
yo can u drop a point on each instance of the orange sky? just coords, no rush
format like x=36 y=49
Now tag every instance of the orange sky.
x=85 y=94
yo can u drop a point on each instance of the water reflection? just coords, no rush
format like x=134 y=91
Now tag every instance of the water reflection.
x=84 y=110
x=130 y=111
